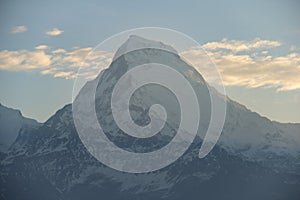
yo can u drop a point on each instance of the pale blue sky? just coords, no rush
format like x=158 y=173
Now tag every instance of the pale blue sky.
x=87 y=23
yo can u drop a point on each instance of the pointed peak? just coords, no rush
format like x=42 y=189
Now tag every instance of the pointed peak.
x=135 y=42
x=136 y=37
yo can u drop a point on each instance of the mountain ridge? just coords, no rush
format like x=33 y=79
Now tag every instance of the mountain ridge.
x=12 y=122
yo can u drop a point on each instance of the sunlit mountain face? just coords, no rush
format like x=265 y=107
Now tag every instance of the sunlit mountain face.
x=255 y=158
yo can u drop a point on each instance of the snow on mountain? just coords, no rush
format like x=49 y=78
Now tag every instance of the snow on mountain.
x=11 y=122
x=245 y=132
x=289 y=130
x=257 y=138
x=136 y=42
x=255 y=158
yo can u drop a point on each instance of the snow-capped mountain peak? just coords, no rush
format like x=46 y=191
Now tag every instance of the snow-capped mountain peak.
x=253 y=156
x=135 y=42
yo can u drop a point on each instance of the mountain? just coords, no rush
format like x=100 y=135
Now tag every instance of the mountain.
x=11 y=123
x=255 y=158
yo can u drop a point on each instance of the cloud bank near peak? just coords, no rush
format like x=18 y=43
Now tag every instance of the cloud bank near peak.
x=241 y=45
x=249 y=64
x=240 y=63
x=54 y=62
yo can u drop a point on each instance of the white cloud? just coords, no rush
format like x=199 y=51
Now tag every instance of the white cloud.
x=57 y=63
x=50 y=71
x=67 y=75
x=18 y=29
x=77 y=55
x=23 y=60
x=241 y=45
x=282 y=72
x=41 y=47
x=252 y=69
x=59 y=51
x=237 y=67
x=54 y=32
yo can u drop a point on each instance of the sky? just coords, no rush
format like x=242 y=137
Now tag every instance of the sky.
x=254 y=44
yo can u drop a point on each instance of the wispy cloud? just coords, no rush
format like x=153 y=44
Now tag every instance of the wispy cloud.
x=67 y=75
x=57 y=63
x=240 y=66
x=54 y=32
x=56 y=51
x=18 y=29
x=23 y=60
x=240 y=63
x=241 y=45
x=41 y=47
x=77 y=55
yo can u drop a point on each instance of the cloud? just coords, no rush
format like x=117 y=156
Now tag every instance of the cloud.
x=41 y=47
x=281 y=72
x=67 y=75
x=54 y=32
x=49 y=71
x=23 y=60
x=57 y=63
x=241 y=45
x=18 y=29
x=252 y=69
x=56 y=51
x=77 y=55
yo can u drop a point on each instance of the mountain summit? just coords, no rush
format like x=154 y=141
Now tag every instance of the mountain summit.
x=135 y=42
